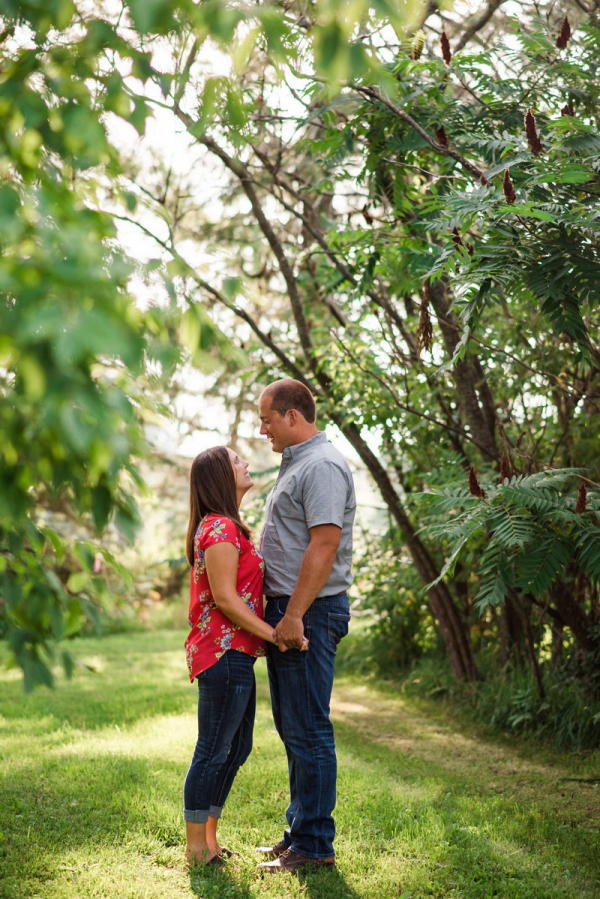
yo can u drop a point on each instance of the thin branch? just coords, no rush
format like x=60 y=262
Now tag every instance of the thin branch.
x=582 y=6
x=552 y=378
x=478 y=24
x=233 y=307
x=341 y=266
x=248 y=185
x=375 y=96
x=185 y=72
x=398 y=401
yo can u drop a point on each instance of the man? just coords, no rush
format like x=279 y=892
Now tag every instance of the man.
x=307 y=547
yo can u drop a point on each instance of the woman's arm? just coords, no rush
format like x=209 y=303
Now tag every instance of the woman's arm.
x=221 y=567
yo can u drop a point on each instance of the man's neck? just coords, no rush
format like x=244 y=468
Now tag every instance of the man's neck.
x=305 y=435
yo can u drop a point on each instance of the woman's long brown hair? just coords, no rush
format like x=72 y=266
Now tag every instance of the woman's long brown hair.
x=212 y=490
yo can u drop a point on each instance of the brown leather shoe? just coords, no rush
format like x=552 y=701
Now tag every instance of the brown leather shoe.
x=292 y=861
x=272 y=851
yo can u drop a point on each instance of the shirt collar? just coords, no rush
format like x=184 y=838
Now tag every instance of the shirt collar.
x=292 y=452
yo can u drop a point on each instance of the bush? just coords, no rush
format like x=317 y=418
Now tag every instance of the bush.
x=396 y=626
x=508 y=701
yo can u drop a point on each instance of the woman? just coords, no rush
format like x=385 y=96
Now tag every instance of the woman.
x=228 y=633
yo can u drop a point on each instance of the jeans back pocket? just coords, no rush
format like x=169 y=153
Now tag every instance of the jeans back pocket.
x=337 y=627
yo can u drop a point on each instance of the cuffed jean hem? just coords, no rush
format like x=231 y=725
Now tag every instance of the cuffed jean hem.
x=215 y=811
x=198 y=817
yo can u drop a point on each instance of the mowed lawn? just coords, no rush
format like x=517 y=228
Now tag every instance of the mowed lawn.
x=91 y=776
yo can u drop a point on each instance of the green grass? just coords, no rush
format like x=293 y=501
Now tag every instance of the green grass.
x=91 y=777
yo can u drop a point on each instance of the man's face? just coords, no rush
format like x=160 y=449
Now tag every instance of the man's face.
x=274 y=426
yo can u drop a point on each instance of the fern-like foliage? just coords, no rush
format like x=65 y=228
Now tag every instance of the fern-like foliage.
x=532 y=528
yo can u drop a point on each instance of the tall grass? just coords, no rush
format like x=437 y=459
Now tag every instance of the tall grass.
x=509 y=702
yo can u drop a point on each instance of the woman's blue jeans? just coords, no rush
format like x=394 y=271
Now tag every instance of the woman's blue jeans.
x=301 y=684
x=226 y=709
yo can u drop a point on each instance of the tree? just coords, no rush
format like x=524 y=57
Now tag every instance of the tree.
x=75 y=348
x=407 y=225
x=424 y=257
x=80 y=361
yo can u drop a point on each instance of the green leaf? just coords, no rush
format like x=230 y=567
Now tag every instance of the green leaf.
x=235 y=110
x=78 y=581
x=35 y=672
x=150 y=14
x=274 y=29
x=68 y=663
x=527 y=210
x=140 y=114
x=102 y=501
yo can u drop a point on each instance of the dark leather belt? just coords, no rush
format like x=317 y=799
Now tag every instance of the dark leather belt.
x=287 y=596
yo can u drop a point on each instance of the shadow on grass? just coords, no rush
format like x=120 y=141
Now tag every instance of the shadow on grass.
x=79 y=799
x=222 y=883
x=581 y=780
x=489 y=843
x=329 y=884
x=217 y=883
x=110 y=686
x=65 y=813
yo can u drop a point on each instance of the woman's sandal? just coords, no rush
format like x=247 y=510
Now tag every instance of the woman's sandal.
x=217 y=861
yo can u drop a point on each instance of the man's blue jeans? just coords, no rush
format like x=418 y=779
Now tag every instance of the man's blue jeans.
x=226 y=709
x=301 y=684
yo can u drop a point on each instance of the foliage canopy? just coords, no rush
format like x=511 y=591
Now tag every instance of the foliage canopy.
x=408 y=222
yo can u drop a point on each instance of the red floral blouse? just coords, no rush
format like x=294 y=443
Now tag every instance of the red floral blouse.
x=213 y=633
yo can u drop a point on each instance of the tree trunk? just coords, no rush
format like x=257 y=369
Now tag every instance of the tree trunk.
x=511 y=634
x=514 y=599
x=454 y=632
x=474 y=393
x=573 y=616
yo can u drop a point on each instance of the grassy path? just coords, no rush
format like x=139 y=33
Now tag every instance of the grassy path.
x=91 y=777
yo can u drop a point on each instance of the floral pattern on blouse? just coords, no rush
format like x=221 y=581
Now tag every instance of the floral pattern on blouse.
x=212 y=632
x=199 y=563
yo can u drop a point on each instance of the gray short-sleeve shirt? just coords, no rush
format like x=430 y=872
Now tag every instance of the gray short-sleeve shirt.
x=314 y=487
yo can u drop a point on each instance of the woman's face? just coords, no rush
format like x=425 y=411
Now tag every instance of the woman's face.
x=243 y=481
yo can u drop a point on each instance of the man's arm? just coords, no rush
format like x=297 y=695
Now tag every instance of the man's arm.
x=315 y=569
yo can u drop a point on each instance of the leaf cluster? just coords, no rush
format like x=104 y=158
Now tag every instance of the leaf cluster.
x=74 y=349
x=527 y=529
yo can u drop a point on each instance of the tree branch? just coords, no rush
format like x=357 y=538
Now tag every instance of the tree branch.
x=374 y=95
x=478 y=24
x=440 y=424
x=248 y=186
x=289 y=364
x=379 y=298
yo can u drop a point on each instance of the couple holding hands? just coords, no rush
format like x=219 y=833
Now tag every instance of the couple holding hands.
x=303 y=570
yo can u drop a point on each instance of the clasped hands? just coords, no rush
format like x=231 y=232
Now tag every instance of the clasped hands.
x=289 y=634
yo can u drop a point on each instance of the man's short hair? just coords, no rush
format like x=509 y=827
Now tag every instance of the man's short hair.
x=290 y=394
